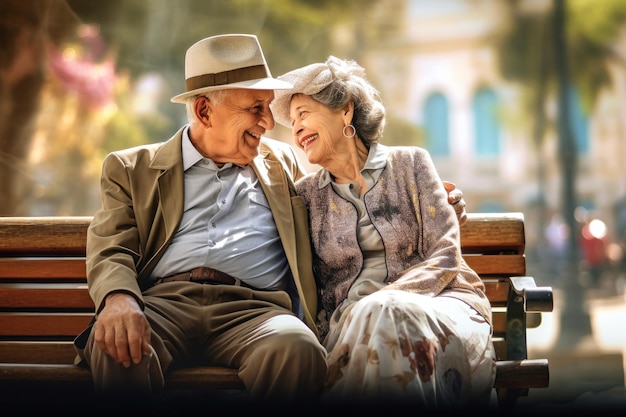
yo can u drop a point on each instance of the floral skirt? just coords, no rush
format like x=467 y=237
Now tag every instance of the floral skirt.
x=435 y=352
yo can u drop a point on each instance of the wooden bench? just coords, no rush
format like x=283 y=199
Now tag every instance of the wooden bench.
x=44 y=303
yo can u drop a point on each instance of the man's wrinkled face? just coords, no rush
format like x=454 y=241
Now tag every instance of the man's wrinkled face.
x=238 y=123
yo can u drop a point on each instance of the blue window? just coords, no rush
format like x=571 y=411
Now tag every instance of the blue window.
x=486 y=123
x=436 y=115
x=578 y=121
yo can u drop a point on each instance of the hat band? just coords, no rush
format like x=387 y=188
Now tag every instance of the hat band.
x=226 y=77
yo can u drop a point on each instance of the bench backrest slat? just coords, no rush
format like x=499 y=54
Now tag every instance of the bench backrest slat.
x=36 y=325
x=65 y=269
x=37 y=351
x=43 y=235
x=49 y=296
x=480 y=234
x=493 y=233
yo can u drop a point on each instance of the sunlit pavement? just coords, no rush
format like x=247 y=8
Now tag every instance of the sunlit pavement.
x=587 y=379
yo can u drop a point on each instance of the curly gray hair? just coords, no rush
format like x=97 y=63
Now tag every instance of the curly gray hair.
x=334 y=84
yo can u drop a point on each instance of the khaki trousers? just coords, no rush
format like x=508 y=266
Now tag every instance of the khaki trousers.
x=276 y=354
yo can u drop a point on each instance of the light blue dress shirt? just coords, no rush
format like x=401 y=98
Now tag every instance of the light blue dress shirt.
x=226 y=225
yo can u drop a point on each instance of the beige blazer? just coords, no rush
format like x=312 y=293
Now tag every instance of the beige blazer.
x=142 y=204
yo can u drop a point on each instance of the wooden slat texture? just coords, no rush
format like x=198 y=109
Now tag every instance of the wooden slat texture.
x=529 y=373
x=69 y=269
x=480 y=234
x=43 y=324
x=68 y=234
x=47 y=352
x=49 y=296
x=200 y=377
x=76 y=296
x=44 y=235
x=497 y=292
x=505 y=265
x=51 y=324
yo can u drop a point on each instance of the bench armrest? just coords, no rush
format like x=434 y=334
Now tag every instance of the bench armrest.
x=536 y=299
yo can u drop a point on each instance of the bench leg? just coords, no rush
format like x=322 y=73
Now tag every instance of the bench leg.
x=508 y=397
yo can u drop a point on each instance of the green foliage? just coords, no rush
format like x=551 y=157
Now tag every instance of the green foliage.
x=591 y=25
x=597 y=20
x=153 y=35
x=402 y=132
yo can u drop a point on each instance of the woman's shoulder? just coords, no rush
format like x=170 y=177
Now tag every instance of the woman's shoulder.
x=308 y=182
x=407 y=154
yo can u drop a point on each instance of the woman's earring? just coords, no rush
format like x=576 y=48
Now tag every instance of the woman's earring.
x=348 y=127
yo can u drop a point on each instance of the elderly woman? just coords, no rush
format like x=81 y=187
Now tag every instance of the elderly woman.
x=402 y=315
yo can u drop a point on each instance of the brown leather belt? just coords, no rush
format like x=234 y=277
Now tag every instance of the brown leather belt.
x=203 y=275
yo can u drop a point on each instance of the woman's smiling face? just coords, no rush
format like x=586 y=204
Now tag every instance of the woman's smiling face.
x=316 y=128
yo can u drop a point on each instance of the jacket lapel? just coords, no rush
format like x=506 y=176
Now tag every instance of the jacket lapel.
x=275 y=185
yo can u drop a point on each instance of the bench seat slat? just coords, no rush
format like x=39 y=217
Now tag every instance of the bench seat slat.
x=43 y=324
x=201 y=377
x=529 y=373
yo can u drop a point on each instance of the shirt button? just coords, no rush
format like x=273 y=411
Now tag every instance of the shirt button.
x=223 y=201
x=213 y=225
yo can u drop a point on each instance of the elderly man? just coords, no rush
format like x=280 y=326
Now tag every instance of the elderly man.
x=200 y=250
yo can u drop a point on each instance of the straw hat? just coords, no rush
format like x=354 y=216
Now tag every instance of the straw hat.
x=227 y=61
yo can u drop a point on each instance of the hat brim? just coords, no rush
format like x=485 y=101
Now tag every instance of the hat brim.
x=258 y=84
x=280 y=107
x=308 y=80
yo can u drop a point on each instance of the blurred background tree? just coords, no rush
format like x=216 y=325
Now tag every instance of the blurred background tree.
x=27 y=29
x=113 y=66
x=559 y=55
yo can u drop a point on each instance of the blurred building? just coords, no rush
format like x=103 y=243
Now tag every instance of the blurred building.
x=436 y=65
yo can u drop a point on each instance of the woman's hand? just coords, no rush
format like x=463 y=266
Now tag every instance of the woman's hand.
x=455 y=197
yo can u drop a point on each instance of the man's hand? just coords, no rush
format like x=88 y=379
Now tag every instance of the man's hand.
x=455 y=197
x=122 y=330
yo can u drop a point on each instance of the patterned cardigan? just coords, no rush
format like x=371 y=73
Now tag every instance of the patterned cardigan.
x=419 y=228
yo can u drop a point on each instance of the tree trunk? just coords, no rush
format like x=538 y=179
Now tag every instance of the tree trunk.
x=26 y=26
x=575 y=322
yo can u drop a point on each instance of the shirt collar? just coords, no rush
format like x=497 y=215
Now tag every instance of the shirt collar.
x=376 y=160
x=191 y=156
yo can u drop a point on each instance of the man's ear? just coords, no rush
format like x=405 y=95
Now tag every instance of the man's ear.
x=202 y=108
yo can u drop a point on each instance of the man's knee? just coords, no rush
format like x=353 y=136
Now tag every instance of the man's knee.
x=110 y=376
